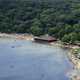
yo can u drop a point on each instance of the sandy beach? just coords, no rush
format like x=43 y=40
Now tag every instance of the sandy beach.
x=17 y=36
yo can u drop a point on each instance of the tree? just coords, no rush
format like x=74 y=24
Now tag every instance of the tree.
x=53 y=31
x=76 y=28
x=70 y=38
x=36 y=30
x=78 y=36
x=66 y=38
x=68 y=29
x=73 y=37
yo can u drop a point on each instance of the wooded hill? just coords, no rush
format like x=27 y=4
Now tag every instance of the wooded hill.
x=59 y=18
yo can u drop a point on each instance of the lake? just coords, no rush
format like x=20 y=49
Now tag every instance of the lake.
x=26 y=60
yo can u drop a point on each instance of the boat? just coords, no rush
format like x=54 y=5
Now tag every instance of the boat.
x=45 y=39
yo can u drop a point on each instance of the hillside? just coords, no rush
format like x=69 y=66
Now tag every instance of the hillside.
x=59 y=18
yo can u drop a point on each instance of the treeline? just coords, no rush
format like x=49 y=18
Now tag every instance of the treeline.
x=59 y=18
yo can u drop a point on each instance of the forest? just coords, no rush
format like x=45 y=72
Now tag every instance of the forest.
x=58 y=18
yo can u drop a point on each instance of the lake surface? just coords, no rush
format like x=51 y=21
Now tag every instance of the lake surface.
x=25 y=60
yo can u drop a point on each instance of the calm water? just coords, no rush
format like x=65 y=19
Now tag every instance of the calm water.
x=24 y=60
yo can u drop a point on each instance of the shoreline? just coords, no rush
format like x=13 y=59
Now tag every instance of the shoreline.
x=75 y=74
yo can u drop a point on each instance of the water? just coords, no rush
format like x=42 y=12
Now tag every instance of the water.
x=25 y=60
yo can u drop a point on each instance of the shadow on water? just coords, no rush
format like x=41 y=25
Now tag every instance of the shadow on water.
x=12 y=66
x=41 y=42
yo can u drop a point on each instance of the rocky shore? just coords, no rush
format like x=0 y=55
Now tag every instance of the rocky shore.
x=75 y=74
